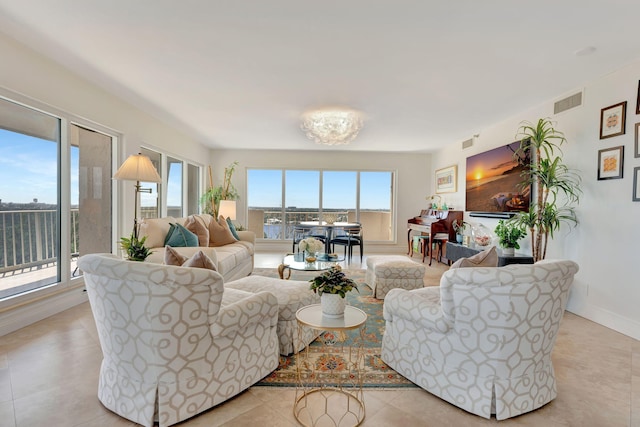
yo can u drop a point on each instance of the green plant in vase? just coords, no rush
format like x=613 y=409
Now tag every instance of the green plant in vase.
x=508 y=234
x=459 y=228
x=135 y=248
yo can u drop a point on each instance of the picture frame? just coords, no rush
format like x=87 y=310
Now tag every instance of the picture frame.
x=610 y=163
x=638 y=99
x=447 y=180
x=636 y=184
x=613 y=120
x=636 y=151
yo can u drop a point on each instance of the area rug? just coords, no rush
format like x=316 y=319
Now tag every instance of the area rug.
x=377 y=373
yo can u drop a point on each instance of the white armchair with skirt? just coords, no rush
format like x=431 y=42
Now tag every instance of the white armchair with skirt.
x=483 y=339
x=175 y=342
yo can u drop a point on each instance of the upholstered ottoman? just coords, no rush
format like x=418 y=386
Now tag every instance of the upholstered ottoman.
x=291 y=295
x=393 y=271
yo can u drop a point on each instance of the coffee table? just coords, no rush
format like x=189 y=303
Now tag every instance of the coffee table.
x=297 y=262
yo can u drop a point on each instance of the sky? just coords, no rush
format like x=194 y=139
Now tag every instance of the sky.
x=303 y=189
x=28 y=169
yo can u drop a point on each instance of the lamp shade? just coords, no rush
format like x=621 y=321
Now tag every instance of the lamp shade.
x=138 y=167
x=227 y=209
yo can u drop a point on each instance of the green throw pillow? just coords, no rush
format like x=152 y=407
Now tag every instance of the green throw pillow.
x=233 y=229
x=179 y=236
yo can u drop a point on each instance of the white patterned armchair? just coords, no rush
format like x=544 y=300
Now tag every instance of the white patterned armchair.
x=482 y=340
x=171 y=347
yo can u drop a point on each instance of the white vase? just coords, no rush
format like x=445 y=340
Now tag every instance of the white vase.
x=508 y=251
x=332 y=305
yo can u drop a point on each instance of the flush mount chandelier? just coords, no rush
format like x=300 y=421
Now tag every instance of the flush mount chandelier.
x=332 y=126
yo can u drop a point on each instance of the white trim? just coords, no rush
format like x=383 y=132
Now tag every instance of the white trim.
x=608 y=319
x=24 y=315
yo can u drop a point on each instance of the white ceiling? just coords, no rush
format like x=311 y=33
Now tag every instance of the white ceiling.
x=238 y=74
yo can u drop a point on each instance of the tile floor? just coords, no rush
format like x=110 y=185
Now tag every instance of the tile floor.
x=49 y=376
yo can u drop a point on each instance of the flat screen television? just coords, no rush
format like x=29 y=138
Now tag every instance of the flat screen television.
x=492 y=182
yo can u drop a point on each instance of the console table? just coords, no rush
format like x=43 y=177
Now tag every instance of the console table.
x=455 y=251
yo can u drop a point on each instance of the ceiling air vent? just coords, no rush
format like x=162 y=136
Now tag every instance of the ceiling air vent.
x=468 y=143
x=568 y=103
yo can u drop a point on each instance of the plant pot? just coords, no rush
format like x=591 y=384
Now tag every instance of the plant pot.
x=459 y=238
x=332 y=305
x=508 y=251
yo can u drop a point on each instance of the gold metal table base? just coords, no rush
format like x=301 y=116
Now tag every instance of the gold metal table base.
x=329 y=406
x=331 y=395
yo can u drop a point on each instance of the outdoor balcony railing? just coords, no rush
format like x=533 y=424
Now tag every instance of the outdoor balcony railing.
x=28 y=239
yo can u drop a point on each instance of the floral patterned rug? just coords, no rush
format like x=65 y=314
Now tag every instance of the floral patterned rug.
x=377 y=373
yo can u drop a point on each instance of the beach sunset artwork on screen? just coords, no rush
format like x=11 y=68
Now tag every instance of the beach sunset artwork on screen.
x=492 y=181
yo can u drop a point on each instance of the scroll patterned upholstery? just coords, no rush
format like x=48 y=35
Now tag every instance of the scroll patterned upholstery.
x=169 y=343
x=483 y=340
x=292 y=295
x=387 y=272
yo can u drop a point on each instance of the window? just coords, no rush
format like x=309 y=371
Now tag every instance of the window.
x=150 y=202
x=278 y=199
x=174 y=187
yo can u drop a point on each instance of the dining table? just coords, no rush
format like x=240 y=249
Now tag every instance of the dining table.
x=328 y=228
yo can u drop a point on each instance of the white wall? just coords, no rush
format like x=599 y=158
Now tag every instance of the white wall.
x=414 y=178
x=605 y=242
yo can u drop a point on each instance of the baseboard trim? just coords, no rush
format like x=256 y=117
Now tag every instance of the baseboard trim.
x=24 y=315
x=608 y=319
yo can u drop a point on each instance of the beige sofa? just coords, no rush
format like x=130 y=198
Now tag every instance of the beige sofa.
x=233 y=261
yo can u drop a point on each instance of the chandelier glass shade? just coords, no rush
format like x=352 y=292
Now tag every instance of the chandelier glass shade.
x=332 y=127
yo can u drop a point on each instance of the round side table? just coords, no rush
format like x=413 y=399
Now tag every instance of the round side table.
x=331 y=393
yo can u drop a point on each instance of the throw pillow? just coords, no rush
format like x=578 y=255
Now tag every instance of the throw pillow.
x=172 y=257
x=179 y=236
x=196 y=225
x=219 y=233
x=233 y=229
x=486 y=258
x=197 y=260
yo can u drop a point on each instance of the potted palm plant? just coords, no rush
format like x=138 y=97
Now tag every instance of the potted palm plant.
x=508 y=234
x=210 y=200
x=332 y=286
x=556 y=187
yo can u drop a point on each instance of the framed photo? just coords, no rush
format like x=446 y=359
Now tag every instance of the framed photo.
x=636 y=184
x=610 y=161
x=612 y=120
x=447 y=180
x=636 y=152
x=638 y=100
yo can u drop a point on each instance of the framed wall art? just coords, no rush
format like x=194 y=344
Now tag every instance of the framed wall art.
x=612 y=120
x=447 y=180
x=636 y=184
x=636 y=151
x=610 y=162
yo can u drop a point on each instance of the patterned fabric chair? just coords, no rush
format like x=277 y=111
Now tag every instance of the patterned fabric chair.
x=170 y=348
x=481 y=341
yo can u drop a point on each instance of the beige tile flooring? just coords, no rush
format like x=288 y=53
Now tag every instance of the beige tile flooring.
x=49 y=377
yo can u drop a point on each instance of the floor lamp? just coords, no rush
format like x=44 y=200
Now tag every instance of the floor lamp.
x=137 y=168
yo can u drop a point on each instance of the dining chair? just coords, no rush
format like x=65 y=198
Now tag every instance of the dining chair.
x=299 y=233
x=352 y=236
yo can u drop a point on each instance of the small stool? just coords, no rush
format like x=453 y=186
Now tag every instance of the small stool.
x=393 y=271
x=291 y=295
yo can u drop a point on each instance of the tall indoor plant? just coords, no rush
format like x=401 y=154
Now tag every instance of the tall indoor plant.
x=210 y=200
x=555 y=187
